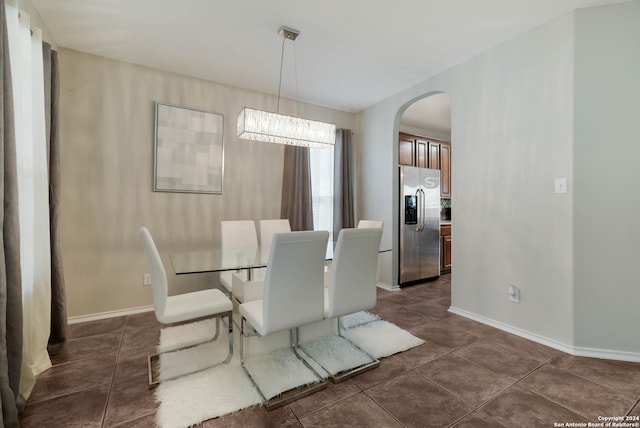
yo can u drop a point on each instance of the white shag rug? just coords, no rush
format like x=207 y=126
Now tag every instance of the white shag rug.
x=224 y=389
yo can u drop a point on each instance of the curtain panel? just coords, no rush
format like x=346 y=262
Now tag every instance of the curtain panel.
x=58 y=333
x=297 y=204
x=27 y=71
x=343 y=211
x=11 y=321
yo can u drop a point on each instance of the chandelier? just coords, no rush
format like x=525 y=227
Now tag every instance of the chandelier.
x=260 y=125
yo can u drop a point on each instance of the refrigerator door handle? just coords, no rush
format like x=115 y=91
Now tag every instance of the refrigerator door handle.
x=418 y=210
x=421 y=210
x=424 y=210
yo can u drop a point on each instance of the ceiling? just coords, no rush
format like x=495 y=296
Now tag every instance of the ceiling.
x=350 y=54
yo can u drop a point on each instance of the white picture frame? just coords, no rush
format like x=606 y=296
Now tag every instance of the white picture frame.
x=188 y=153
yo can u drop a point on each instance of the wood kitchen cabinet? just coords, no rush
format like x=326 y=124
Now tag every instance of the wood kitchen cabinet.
x=434 y=155
x=407 y=150
x=445 y=170
x=422 y=152
x=445 y=248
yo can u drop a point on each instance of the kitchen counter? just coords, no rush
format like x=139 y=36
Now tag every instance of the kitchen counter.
x=445 y=222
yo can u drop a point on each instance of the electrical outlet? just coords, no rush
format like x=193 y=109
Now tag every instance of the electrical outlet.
x=514 y=294
x=146 y=279
x=560 y=185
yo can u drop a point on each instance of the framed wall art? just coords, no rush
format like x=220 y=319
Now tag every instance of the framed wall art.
x=188 y=150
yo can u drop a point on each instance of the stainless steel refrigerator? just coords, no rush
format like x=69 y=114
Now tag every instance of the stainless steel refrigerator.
x=419 y=224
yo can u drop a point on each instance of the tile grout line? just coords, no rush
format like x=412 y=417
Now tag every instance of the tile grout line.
x=68 y=363
x=579 y=413
x=547 y=363
x=382 y=407
x=326 y=405
x=113 y=375
x=557 y=357
x=533 y=371
x=475 y=406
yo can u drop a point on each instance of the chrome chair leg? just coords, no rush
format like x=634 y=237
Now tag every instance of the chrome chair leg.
x=348 y=373
x=244 y=368
x=339 y=377
x=292 y=394
x=295 y=346
x=153 y=360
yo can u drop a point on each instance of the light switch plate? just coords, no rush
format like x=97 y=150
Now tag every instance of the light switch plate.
x=560 y=185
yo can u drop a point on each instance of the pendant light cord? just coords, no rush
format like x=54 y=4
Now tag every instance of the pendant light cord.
x=284 y=39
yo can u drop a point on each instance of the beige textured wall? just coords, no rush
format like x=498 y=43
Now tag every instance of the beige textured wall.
x=106 y=129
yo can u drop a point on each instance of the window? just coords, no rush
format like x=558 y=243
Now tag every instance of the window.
x=321 y=162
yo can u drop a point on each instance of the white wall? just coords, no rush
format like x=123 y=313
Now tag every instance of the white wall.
x=512 y=133
x=559 y=101
x=106 y=130
x=607 y=173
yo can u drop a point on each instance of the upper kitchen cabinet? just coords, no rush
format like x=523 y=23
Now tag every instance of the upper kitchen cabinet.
x=434 y=155
x=445 y=170
x=407 y=154
x=422 y=152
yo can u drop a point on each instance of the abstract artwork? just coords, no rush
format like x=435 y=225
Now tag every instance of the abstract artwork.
x=188 y=150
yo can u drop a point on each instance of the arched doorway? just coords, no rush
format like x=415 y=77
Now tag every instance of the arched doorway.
x=424 y=144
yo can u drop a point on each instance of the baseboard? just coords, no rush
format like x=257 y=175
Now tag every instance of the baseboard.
x=109 y=314
x=388 y=287
x=573 y=350
x=606 y=354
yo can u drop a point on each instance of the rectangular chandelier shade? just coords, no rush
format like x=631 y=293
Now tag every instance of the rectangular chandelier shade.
x=270 y=127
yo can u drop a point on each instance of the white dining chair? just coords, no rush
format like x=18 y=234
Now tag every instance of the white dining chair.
x=241 y=289
x=371 y=224
x=266 y=229
x=182 y=308
x=350 y=286
x=236 y=234
x=293 y=297
x=362 y=224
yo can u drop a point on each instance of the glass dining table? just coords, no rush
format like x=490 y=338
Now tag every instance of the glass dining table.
x=230 y=259
x=220 y=260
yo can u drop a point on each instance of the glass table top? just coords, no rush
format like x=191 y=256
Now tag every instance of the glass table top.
x=227 y=259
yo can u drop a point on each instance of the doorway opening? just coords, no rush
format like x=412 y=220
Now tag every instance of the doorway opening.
x=424 y=144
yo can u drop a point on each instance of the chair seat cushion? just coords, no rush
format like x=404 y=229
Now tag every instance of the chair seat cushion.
x=252 y=311
x=197 y=304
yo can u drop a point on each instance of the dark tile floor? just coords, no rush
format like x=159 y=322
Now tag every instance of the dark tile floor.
x=466 y=375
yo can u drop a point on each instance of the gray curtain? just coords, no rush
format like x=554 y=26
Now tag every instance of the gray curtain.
x=58 y=335
x=10 y=277
x=296 y=188
x=343 y=213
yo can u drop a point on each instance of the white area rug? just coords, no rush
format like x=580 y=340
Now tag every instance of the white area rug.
x=224 y=389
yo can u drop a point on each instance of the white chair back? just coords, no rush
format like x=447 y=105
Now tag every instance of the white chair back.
x=238 y=234
x=293 y=286
x=352 y=285
x=159 y=287
x=371 y=224
x=266 y=229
